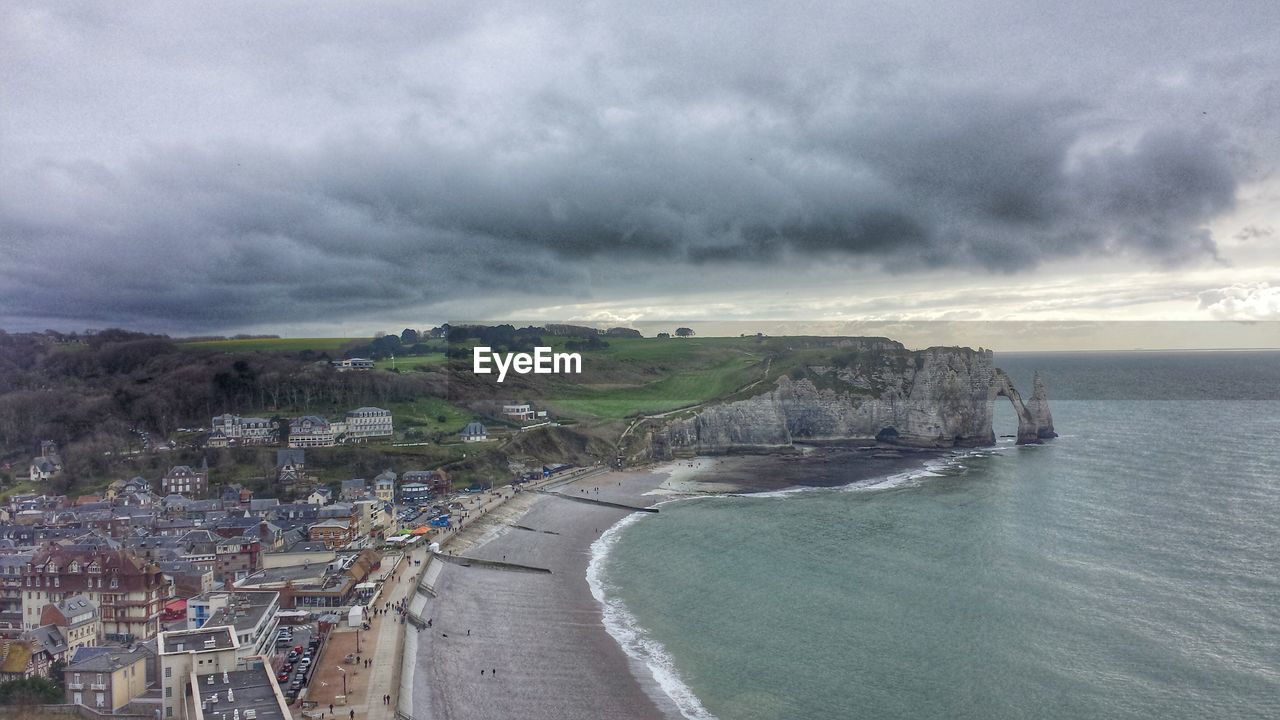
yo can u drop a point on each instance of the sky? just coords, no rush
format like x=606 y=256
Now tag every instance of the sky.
x=337 y=169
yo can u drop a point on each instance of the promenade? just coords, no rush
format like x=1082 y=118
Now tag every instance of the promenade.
x=383 y=643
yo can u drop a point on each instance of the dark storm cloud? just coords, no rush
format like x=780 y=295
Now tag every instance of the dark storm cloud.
x=283 y=165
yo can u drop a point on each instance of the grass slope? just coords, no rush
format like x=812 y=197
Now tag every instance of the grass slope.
x=645 y=376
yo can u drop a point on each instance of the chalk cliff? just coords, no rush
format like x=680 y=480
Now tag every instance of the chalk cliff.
x=939 y=397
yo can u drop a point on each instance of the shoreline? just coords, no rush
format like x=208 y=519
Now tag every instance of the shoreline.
x=548 y=636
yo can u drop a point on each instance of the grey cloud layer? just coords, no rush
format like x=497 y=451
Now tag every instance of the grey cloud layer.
x=267 y=165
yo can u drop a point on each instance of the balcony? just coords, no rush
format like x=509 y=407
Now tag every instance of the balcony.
x=75 y=686
x=97 y=686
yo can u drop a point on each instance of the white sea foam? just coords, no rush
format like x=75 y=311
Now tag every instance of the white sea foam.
x=635 y=641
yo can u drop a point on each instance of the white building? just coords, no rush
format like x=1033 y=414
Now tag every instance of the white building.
x=251 y=614
x=519 y=413
x=183 y=654
x=368 y=422
x=353 y=364
x=320 y=496
x=314 y=431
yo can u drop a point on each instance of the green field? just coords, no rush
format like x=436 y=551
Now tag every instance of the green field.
x=645 y=376
x=423 y=414
x=408 y=363
x=272 y=344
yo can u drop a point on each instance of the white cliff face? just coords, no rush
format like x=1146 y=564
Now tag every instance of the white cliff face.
x=940 y=397
x=1038 y=406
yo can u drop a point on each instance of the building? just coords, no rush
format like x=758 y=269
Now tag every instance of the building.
x=182 y=480
x=474 y=432
x=365 y=511
x=313 y=431
x=312 y=585
x=353 y=489
x=250 y=694
x=436 y=480
x=186 y=653
x=368 y=423
x=233 y=430
x=130 y=592
x=353 y=364
x=320 y=496
x=47 y=646
x=334 y=533
x=250 y=613
x=12 y=571
x=47 y=464
x=415 y=493
x=106 y=679
x=384 y=487
x=237 y=557
x=187 y=579
x=291 y=470
x=78 y=620
x=520 y=413
x=42 y=469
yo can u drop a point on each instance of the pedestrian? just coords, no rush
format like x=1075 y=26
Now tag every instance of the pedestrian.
x=468 y=632
x=330 y=708
x=481 y=672
x=353 y=714
x=495 y=672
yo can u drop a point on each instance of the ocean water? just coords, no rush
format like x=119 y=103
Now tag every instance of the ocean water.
x=1128 y=569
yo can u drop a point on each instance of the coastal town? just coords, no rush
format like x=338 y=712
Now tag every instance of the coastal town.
x=182 y=595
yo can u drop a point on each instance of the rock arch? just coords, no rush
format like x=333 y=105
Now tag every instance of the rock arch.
x=1035 y=423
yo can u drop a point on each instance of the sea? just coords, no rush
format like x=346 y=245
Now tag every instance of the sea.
x=1129 y=568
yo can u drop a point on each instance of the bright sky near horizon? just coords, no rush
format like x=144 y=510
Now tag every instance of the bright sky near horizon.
x=332 y=169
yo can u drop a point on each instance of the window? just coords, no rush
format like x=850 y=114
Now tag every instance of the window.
x=168 y=692
x=168 y=711
x=168 y=672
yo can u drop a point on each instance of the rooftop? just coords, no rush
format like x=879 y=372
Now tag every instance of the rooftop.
x=248 y=694
x=206 y=638
x=110 y=660
x=243 y=610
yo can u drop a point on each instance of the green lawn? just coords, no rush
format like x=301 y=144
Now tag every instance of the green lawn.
x=424 y=413
x=271 y=344
x=407 y=363
x=701 y=372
